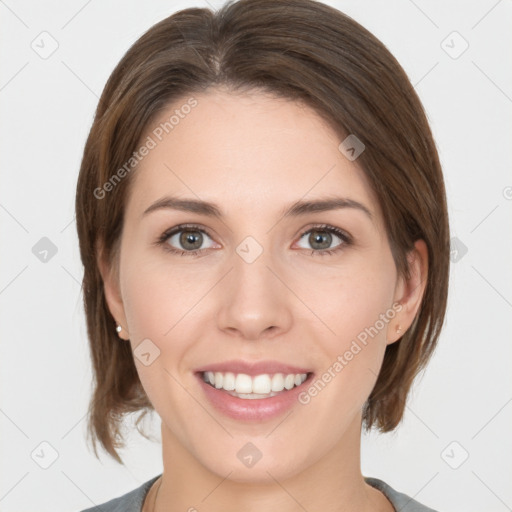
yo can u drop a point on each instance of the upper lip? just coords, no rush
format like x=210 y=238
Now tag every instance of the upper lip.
x=252 y=368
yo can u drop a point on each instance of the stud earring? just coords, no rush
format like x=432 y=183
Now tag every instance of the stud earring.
x=398 y=329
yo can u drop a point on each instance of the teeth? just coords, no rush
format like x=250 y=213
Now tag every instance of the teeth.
x=289 y=381
x=278 y=382
x=243 y=383
x=261 y=386
x=219 y=378
x=229 y=381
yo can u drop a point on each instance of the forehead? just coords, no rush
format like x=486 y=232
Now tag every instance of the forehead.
x=249 y=152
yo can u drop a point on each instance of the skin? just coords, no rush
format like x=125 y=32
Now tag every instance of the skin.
x=253 y=155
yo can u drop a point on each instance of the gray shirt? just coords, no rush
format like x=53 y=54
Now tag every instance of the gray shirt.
x=133 y=500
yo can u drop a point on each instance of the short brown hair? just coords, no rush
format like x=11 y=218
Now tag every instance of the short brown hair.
x=301 y=50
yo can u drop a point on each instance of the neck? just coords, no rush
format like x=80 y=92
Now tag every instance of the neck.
x=332 y=482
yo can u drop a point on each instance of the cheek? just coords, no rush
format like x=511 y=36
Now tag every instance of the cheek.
x=356 y=307
x=157 y=299
x=156 y=306
x=350 y=300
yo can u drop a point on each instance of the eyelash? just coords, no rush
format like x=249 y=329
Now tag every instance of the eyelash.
x=162 y=240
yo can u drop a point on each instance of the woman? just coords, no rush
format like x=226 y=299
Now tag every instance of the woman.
x=263 y=226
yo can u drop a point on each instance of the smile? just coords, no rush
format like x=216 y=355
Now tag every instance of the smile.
x=253 y=387
x=252 y=398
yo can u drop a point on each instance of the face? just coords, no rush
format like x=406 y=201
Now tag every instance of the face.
x=310 y=291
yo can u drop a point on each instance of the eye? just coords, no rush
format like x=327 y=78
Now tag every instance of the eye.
x=321 y=238
x=185 y=240
x=188 y=239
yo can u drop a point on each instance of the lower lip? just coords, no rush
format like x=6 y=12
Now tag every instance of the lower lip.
x=260 y=409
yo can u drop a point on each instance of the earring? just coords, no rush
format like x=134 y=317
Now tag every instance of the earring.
x=398 y=329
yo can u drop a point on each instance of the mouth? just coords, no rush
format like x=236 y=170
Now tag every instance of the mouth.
x=254 y=387
x=253 y=391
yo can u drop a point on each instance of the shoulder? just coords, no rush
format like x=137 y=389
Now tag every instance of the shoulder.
x=399 y=500
x=129 y=502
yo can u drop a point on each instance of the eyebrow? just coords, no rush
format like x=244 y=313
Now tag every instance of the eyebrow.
x=296 y=209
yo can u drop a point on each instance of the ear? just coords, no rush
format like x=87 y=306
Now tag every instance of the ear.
x=112 y=290
x=409 y=293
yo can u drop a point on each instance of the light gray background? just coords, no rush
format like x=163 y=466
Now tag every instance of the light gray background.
x=47 y=106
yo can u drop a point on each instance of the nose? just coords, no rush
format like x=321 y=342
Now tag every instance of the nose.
x=253 y=302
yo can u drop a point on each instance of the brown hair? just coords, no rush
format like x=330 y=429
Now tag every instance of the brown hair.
x=301 y=50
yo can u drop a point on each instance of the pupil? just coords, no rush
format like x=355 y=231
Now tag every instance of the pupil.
x=317 y=237
x=191 y=237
